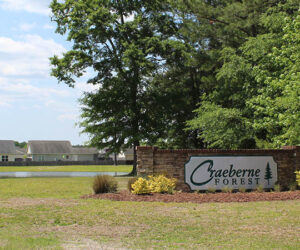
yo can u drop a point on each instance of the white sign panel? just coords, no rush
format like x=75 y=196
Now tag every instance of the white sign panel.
x=204 y=172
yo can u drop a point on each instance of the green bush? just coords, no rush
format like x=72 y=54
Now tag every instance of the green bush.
x=211 y=190
x=130 y=182
x=293 y=186
x=227 y=189
x=104 y=184
x=242 y=189
x=260 y=189
x=277 y=188
x=154 y=184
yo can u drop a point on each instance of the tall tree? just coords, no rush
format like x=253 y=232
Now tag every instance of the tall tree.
x=124 y=43
x=251 y=30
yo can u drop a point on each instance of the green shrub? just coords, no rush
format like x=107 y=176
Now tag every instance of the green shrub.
x=154 y=184
x=293 y=186
x=227 y=189
x=277 y=188
x=242 y=189
x=130 y=182
x=260 y=189
x=162 y=184
x=211 y=190
x=104 y=184
x=298 y=177
x=141 y=186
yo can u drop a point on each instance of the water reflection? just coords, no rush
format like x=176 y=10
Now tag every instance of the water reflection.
x=57 y=174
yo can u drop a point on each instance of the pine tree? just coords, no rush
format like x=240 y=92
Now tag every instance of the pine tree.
x=268 y=174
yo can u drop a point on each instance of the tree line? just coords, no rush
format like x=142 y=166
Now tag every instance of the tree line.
x=184 y=73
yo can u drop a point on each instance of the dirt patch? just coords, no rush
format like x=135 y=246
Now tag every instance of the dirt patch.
x=22 y=202
x=199 y=197
x=88 y=244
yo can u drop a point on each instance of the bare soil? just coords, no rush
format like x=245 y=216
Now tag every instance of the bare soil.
x=198 y=197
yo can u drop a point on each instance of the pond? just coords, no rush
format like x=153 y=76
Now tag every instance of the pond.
x=57 y=174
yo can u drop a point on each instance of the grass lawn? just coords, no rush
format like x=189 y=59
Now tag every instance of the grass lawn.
x=47 y=213
x=75 y=168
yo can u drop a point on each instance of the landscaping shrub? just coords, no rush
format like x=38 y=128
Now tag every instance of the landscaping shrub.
x=242 y=189
x=130 y=182
x=211 y=190
x=227 y=189
x=260 y=189
x=293 y=186
x=162 y=184
x=154 y=184
x=141 y=186
x=298 y=177
x=277 y=188
x=104 y=184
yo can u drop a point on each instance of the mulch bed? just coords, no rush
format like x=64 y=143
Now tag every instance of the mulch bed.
x=198 y=197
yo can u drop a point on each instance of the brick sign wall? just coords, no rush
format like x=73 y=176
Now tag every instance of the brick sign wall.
x=241 y=167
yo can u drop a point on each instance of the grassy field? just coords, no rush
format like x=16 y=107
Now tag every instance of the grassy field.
x=47 y=213
x=75 y=168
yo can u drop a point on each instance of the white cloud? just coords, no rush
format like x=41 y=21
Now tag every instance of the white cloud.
x=15 y=91
x=64 y=117
x=32 y=6
x=48 y=27
x=27 y=57
x=27 y=26
x=30 y=90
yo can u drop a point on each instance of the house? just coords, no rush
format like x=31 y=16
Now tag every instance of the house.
x=9 y=152
x=85 y=154
x=59 y=151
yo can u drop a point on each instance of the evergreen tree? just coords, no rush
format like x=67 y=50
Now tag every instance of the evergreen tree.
x=268 y=174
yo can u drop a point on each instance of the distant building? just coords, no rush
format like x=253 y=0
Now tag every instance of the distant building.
x=59 y=151
x=9 y=152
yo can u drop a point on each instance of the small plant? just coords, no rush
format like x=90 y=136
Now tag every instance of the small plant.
x=298 y=177
x=104 y=184
x=130 y=182
x=211 y=190
x=227 y=189
x=242 y=189
x=141 y=186
x=260 y=189
x=154 y=184
x=277 y=188
x=162 y=184
x=293 y=186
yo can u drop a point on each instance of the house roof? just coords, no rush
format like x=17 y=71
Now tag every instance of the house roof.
x=85 y=150
x=21 y=150
x=49 y=147
x=7 y=147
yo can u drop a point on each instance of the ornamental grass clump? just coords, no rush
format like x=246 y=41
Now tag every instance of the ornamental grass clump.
x=105 y=184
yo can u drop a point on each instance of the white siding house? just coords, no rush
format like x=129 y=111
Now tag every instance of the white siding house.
x=59 y=151
x=9 y=152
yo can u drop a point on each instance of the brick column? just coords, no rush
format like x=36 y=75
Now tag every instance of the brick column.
x=145 y=160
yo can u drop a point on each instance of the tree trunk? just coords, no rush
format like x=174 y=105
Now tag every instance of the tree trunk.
x=115 y=159
x=134 y=168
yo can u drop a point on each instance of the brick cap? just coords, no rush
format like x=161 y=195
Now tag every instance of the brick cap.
x=210 y=150
x=291 y=147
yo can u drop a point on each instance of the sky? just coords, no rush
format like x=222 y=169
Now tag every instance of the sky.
x=33 y=105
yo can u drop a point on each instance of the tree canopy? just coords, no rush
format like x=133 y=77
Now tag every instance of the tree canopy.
x=184 y=73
